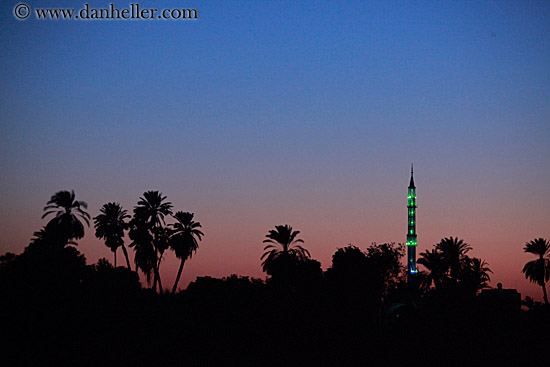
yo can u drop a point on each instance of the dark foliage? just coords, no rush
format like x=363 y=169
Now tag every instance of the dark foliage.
x=451 y=270
x=150 y=235
x=183 y=239
x=538 y=271
x=110 y=226
x=105 y=318
x=283 y=251
x=69 y=214
x=56 y=310
x=362 y=280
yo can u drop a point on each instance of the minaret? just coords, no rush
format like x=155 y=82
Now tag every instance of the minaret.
x=411 y=233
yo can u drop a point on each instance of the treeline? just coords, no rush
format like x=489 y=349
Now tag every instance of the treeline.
x=57 y=309
x=376 y=272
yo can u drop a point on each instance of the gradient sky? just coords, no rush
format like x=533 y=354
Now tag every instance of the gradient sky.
x=262 y=113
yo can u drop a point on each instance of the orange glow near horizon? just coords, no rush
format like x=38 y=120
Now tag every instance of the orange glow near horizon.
x=250 y=119
x=229 y=247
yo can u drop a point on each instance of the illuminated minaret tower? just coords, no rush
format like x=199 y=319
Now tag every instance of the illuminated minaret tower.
x=411 y=233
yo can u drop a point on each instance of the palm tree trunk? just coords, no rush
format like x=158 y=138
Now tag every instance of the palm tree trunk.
x=178 y=277
x=158 y=280
x=544 y=293
x=126 y=256
x=157 y=277
x=156 y=273
x=157 y=269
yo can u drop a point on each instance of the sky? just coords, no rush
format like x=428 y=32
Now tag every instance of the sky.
x=304 y=113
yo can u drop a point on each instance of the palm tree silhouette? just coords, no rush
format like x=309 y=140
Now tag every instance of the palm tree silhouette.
x=151 y=208
x=431 y=260
x=530 y=303
x=149 y=215
x=68 y=213
x=47 y=237
x=448 y=265
x=184 y=240
x=475 y=274
x=142 y=243
x=453 y=254
x=538 y=271
x=161 y=236
x=282 y=243
x=110 y=226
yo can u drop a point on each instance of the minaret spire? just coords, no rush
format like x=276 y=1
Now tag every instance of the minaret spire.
x=411 y=231
x=411 y=183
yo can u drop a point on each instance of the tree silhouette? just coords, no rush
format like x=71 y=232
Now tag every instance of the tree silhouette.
x=184 y=240
x=68 y=213
x=349 y=264
x=449 y=267
x=142 y=243
x=386 y=268
x=110 y=226
x=352 y=283
x=161 y=237
x=309 y=276
x=149 y=216
x=152 y=209
x=45 y=269
x=110 y=283
x=453 y=254
x=48 y=236
x=283 y=249
x=365 y=278
x=475 y=274
x=531 y=304
x=431 y=260
x=538 y=271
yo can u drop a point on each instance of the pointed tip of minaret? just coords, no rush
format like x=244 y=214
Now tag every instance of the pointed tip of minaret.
x=411 y=184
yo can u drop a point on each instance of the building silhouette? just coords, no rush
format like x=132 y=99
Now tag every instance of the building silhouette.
x=500 y=301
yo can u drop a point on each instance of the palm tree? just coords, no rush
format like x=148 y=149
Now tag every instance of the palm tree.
x=538 y=271
x=151 y=209
x=453 y=254
x=161 y=237
x=432 y=261
x=110 y=226
x=475 y=274
x=47 y=237
x=68 y=213
x=142 y=241
x=282 y=244
x=149 y=215
x=530 y=303
x=184 y=240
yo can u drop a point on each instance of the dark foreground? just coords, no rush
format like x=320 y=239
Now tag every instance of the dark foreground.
x=242 y=322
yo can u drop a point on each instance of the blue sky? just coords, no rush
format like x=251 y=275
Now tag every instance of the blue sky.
x=261 y=113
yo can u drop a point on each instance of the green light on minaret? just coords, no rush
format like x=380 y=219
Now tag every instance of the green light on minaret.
x=411 y=232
